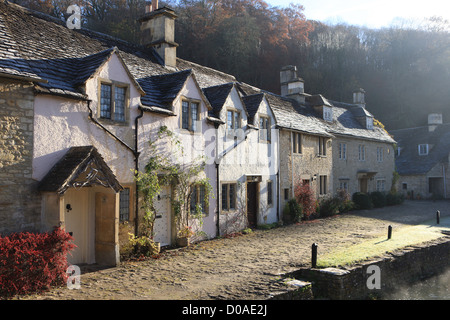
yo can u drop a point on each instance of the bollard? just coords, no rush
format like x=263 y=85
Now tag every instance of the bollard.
x=389 y=232
x=438 y=216
x=314 y=255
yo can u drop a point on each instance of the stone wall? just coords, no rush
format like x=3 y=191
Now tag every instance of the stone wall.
x=19 y=201
x=397 y=269
x=306 y=165
x=346 y=169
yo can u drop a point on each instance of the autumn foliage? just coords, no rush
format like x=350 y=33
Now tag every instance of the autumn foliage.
x=304 y=196
x=31 y=262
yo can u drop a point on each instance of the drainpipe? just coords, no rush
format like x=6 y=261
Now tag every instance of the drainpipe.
x=136 y=160
x=217 y=163
x=445 y=183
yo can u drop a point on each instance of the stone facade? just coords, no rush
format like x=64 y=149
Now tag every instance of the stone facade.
x=19 y=201
x=305 y=166
x=362 y=162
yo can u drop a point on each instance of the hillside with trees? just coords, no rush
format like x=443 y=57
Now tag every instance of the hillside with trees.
x=404 y=69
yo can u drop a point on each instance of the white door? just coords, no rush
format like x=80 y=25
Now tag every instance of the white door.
x=76 y=215
x=161 y=227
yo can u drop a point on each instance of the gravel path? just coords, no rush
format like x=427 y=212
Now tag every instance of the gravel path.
x=243 y=267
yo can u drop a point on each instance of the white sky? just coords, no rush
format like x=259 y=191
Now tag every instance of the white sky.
x=370 y=13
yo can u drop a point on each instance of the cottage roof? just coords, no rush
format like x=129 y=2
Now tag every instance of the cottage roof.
x=252 y=103
x=38 y=46
x=345 y=123
x=409 y=162
x=80 y=166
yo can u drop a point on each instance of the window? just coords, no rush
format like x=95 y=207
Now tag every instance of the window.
x=228 y=196
x=369 y=123
x=296 y=142
x=198 y=199
x=113 y=101
x=381 y=184
x=404 y=186
x=423 y=149
x=343 y=185
x=323 y=184
x=327 y=114
x=124 y=206
x=189 y=115
x=362 y=152
x=286 y=194
x=264 y=128
x=322 y=146
x=269 y=193
x=380 y=154
x=342 y=151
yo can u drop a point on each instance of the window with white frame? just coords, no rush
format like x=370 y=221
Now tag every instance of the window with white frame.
x=233 y=121
x=342 y=151
x=343 y=185
x=423 y=149
x=361 y=152
x=369 y=123
x=381 y=183
x=380 y=154
x=327 y=114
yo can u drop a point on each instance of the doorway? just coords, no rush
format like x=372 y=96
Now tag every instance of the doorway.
x=162 y=225
x=252 y=204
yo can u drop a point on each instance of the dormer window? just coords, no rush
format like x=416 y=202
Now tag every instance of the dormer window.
x=327 y=114
x=264 y=128
x=369 y=123
x=233 y=122
x=423 y=149
x=113 y=101
x=190 y=114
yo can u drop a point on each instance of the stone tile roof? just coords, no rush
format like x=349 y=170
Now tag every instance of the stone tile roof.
x=252 y=103
x=39 y=46
x=345 y=123
x=217 y=96
x=161 y=90
x=74 y=170
x=410 y=162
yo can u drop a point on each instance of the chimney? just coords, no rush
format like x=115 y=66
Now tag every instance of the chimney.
x=434 y=119
x=158 y=32
x=358 y=97
x=291 y=85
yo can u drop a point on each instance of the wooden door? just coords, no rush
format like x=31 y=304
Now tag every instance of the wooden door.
x=252 y=203
x=106 y=228
x=76 y=223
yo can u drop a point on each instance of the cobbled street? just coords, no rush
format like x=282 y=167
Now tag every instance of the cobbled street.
x=243 y=267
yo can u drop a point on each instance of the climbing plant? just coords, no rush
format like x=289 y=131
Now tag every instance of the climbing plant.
x=162 y=170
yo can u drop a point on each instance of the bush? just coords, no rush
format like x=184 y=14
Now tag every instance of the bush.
x=394 y=198
x=305 y=198
x=139 y=246
x=32 y=262
x=362 y=200
x=293 y=212
x=346 y=204
x=329 y=207
x=378 y=199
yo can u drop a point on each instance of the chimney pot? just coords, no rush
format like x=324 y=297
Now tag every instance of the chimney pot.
x=154 y=5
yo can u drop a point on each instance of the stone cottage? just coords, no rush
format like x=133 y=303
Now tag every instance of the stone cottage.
x=78 y=109
x=422 y=159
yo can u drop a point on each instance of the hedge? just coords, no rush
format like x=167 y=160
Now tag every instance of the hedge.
x=33 y=262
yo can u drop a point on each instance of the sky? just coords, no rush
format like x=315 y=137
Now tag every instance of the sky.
x=369 y=13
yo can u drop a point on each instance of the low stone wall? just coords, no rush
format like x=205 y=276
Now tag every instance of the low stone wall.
x=396 y=269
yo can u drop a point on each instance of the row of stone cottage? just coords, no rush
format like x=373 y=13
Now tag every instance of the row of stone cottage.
x=78 y=108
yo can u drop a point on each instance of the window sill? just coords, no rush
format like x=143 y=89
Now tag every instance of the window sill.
x=110 y=122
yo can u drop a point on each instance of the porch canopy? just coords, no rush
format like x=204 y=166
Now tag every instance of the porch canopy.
x=80 y=167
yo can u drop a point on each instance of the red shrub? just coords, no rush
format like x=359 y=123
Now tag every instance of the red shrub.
x=32 y=262
x=305 y=197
